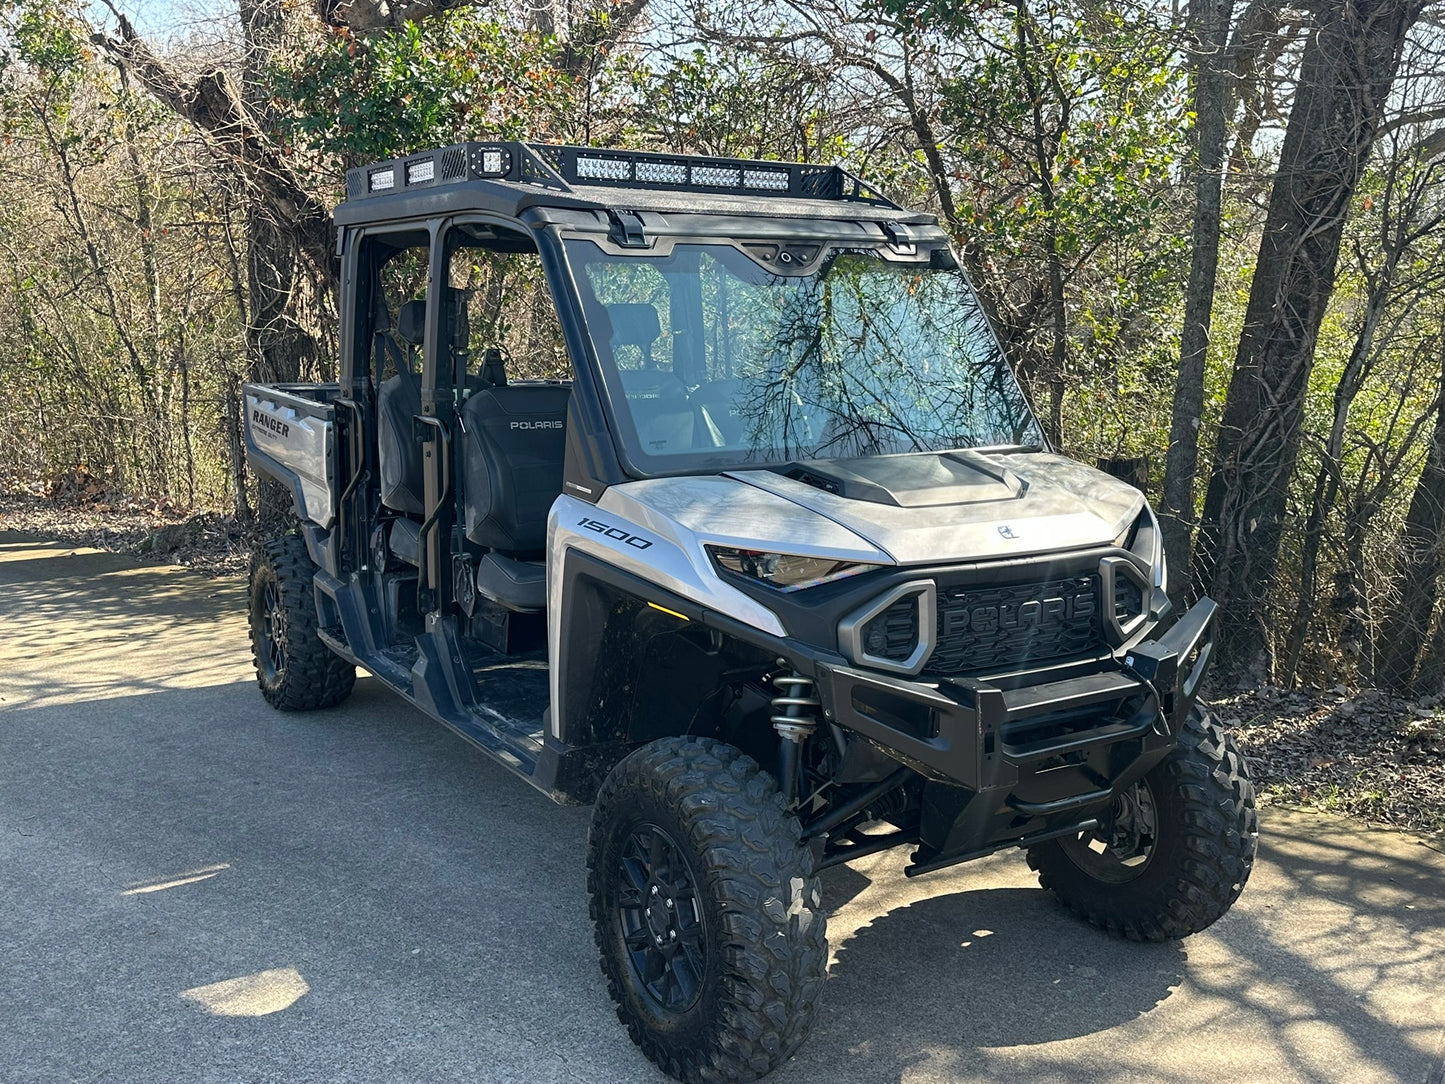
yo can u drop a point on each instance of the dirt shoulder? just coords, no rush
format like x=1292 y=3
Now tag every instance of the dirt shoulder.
x=155 y=531
x=1355 y=751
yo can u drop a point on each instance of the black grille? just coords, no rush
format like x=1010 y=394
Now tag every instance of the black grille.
x=820 y=181
x=983 y=628
x=893 y=634
x=1128 y=598
x=454 y=163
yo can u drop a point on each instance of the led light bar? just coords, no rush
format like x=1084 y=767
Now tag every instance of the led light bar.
x=771 y=180
x=604 y=169
x=560 y=167
x=717 y=176
x=661 y=172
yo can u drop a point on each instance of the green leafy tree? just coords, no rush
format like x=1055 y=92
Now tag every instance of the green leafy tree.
x=461 y=75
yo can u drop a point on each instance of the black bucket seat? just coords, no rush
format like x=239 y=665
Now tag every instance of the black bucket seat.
x=398 y=402
x=664 y=419
x=515 y=442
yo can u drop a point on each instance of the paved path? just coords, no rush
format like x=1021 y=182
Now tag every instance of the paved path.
x=194 y=887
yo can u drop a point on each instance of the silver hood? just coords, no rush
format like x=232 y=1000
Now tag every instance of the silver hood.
x=950 y=506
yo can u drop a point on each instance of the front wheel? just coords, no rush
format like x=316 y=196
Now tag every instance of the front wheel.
x=294 y=668
x=1175 y=850
x=706 y=910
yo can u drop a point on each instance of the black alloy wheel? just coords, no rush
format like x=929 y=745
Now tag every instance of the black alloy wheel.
x=273 y=659
x=662 y=925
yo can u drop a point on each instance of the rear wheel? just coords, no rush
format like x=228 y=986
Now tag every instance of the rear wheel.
x=294 y=668
x=1175 y=850
x=706 y=910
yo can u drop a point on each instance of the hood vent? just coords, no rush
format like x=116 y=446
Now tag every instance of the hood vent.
x=817 y=481
x=915 y=480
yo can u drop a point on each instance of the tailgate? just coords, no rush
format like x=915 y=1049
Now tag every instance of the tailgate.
x=290 y=436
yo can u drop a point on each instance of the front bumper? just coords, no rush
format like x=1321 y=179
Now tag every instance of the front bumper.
x=1006 y=763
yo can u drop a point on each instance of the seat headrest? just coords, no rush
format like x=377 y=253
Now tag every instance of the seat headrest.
x=494 y=367
x=411 y=321
x=634 y=324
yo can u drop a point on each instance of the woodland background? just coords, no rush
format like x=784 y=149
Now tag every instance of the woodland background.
x=1212 y=236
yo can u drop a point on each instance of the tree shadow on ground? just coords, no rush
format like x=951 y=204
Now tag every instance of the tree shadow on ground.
x=999 y=967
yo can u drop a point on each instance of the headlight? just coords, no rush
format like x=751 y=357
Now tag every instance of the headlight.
x=1145 y=540
x=785 y=571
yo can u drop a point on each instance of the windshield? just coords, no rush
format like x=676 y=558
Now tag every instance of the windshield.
x=712 y=359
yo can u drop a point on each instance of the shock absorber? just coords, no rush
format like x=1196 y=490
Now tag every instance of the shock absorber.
x=794 y=718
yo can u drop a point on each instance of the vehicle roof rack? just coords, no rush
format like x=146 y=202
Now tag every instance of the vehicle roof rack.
x=564 y=168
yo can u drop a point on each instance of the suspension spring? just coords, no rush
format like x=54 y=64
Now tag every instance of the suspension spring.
x=794 y=711
x=794 y=718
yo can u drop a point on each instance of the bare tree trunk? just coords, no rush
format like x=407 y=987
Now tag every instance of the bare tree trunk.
x=1327 y=485
x=1430 y=674
x=283 y=333
x=1352 y=594
x=1416 y=583
x=244 y=513
x=1210 y=25
x=283 y=336
x=183 y=369
x=1348 y=69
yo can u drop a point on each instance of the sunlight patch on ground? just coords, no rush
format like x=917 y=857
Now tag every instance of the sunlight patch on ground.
x=205 y=873
x=83 y=625
x=260 y=994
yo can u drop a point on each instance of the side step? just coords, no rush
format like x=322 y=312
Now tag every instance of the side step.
x=498 y=706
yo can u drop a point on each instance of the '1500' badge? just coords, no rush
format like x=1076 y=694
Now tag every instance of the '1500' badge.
x=617 y=534
x=1007 y=531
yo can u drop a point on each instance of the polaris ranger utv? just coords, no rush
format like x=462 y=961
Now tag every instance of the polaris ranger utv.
x=701 y=489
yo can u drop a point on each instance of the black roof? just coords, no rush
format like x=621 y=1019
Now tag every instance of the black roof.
x=511 y=177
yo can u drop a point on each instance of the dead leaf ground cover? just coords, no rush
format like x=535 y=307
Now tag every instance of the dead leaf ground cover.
x=209 y=542
x=1355 y=751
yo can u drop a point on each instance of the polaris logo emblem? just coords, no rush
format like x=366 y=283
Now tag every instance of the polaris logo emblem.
x=557 y=424
x=265 y=421
x=1036 y=613
x=1007 y=531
